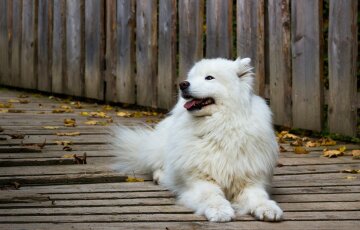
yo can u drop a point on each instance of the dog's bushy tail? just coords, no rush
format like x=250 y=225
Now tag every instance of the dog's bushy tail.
x=137 y=149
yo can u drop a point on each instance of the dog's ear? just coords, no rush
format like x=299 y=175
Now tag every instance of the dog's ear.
x=243 y=66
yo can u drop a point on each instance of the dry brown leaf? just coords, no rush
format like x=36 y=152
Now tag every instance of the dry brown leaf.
x=332 y=153
x=64 y=143
x=24 y=101
x=350 y=177
x=311 y=144
x=34 y=146
x=297 y=142
x=67 y=148
x=68 y=134
x=69 y=122
x=76 y=104
x=22 y=96
x=355 y=154
x=99 y=115
x=134 y=179
x=15 y=111
x=107 y=108
x=123 y=114
x=94 y=122
x=327 y=142
x=17 y=136
x=282 y=149
x=300 y=150
x=51 y=127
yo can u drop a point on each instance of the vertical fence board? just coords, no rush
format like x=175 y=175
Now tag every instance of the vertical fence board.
x=15 y=46
x=342 y=49
x=306 y=17
x=110 y=52
x=74 y=77
x=44 y=45
x=94 y=81
x=58 y=48
x=191 y=15
x=279 y=58
x=28 y=45
x=250 y=37
x=167 y=54
x=219 y=28
x=146 y=55
x=4 y=40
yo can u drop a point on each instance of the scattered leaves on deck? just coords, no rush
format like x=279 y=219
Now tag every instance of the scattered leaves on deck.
x=68 y=134
x=334 y=152
x=134 y=179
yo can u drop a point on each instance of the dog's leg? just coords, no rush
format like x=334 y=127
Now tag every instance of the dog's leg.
x=158 y=176
x=255 y=200
x=207 y=199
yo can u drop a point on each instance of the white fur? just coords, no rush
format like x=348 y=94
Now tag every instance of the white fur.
x=219 y=159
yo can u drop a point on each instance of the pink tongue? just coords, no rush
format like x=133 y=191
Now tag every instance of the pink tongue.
x=190 y=104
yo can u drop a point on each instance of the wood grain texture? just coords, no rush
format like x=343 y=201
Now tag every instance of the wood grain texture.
x=4 y=43
x=167 y=54
x=29 y=45
x=58 y=47
x=125 y=52
x=15 y=45
x=306 y=34
x=44 y=34
x=343 y=54
x=191 y=30
x=74 y=77
x=94 y=25
x=279 y=58
x=146 y=53
x=219 y=28
x=251 y=38
x=110 y=50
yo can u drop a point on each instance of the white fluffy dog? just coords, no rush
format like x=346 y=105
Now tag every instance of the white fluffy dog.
x=217 y=149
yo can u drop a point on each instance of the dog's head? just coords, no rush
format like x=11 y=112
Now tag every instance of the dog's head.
x=213 y=84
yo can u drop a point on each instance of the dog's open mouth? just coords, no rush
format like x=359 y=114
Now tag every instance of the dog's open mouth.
x=197 y=104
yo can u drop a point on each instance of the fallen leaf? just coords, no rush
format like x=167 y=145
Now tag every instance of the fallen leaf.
x=84 y=114
x=290 y=136
x=297 y=142
x=24 y=101
x=76 y=104
x=68 y=134
x=3 y=110
x=42 y=112
x=16 y=111
x=68 y=156
x=64 y=143
x=300 y=150
x=282 y=149
x=107 y=108
x=62 y=110
x=327 y=142
x=310 y=144
x=355 y=154
x=67 y=148
x=94 y=122
x=34 y=146
x=69 y=122
x=352 y=171
x=51 y=127
x=123 y=114
x=342 y=148
x=80 y=159
x=332 y=153
x=350 y=177
x=17 y=136
x=13 y=101
x=22 y=96
x=99 y=115
x=134 y=179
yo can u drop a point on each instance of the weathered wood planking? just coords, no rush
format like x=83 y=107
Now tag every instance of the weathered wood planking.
x=74 y=68
x=146 y=53
x=110 y=50
x=343 y=53
x=58 y=47
x=29 y=45
x=15 y=45
x=125 y=52
x=4 y=43
x=279 y=58
x=44 y=36
x=219 y=29
x=307 y=84
x=251 y=38
x=191 y=15
x=167 y=54
x=94 y=49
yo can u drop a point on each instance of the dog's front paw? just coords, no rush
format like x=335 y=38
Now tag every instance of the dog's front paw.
x=268 y=211
x=222 y=213
x=158 y=176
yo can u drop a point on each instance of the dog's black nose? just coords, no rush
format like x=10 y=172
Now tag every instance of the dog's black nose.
x=184 y=85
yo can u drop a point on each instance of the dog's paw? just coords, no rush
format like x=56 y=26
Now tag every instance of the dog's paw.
x=268 y=211
x=222 y=213
x=158 y=176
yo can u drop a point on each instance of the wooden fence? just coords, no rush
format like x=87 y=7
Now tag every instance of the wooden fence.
x=136 y=51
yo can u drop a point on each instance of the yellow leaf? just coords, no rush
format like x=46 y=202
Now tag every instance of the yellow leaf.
x=297 y=142
x=332 y=153
x=69 y=122
x=352 y=171
x=342 y=148
x=22 y=96
x=290 y=136
x=6 y=105
x=98 y=115
x=68 y=156
x=13 y=101
x=4 y=110
x=68 y=134
x=51 y=127
x=91 y=122
x=107 y=107
x=62 y=111
x=64 y=143
x=134 y=179
x=327 y=142
x=356 y=154
x=300 y=150
x=84 y=114
x=122 y=114
x=310 y=144
x=350 y=177
x=65 y=107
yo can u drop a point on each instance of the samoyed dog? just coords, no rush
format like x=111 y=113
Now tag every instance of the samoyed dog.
x=216 y=150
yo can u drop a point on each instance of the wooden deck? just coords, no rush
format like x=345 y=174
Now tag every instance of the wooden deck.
x=46 y=188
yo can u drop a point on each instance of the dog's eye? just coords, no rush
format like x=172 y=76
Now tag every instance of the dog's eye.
x=209 y=78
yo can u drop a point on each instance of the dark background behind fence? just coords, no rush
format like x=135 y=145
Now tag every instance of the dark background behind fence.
x=304 y=52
